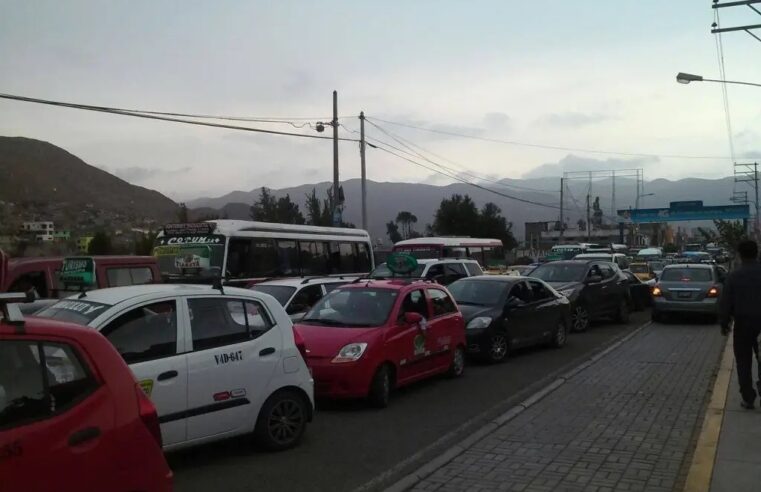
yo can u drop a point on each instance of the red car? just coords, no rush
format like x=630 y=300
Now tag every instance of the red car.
x=365 y=338
x=72 y=416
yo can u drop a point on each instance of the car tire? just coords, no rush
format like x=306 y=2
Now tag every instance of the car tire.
x=560 y=337
x=622 y=315
x=380 y=387
x=580 y=318
x=282 y=420
x=497 y=348
x=458 y=363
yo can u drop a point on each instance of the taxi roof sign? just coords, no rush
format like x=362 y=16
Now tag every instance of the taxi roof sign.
x=78 y=270
x=401 y=263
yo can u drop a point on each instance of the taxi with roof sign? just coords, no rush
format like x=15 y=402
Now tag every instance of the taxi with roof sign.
x=366 y=338
x=217 y=362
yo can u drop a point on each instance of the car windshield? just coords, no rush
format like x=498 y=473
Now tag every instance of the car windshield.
x=352 y=307
x=639 y=268
x=280 y=292
x=686 y=275
x=78 y=311
x=478 y=292
x=561 y=272
x=382 y=271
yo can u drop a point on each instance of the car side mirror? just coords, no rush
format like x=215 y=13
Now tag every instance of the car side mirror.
x=513 y=303
x=412 y=318
x=593 y=279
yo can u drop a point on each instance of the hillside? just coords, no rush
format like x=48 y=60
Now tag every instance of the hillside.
x=386 y=199
x=38 y=172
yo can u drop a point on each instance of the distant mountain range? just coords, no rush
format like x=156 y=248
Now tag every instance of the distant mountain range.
x=386 y=199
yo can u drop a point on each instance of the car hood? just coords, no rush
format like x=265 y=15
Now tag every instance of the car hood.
x=564 y=285
x=470 y=311
x=325 y=341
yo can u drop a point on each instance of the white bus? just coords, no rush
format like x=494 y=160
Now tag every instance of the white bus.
x=246 y=251
x=490 y=253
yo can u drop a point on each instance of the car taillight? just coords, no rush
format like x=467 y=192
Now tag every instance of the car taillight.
x=657 y=291
x=148 y=414
x=713 y=292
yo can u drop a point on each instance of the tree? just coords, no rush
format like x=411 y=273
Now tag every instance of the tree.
x=458 y=216
x=144 y=243
x=282 y=210
x=491 y=223
x=406 y=219
x=392 y=230
x=315 y=212
x=731 y=232
x=100 y=244
x=182 y=214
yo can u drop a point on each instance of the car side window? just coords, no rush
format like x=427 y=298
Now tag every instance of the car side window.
x=521 y=292
x=473 y=269
x=414 y=302
x=436 y=272
x=29 y=391
x=331 y=287
x=454 y=271
x=305 y=299
x=216 y=322
x=538 y=291
x=442 y=303
x=145 y=333
x=607 y=272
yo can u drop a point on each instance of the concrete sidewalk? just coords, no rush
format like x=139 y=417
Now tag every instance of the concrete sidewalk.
x=626 y=422
x=737 y=467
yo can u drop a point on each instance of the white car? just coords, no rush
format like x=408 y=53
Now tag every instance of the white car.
x=298 y=295
x=443 y=271
x=216 y=363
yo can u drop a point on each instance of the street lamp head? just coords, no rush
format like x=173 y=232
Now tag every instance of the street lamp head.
x=686 y=78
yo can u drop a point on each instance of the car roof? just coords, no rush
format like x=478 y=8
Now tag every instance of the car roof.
x=391 y=284
x=494 y=278
x=115 y=295
x=580 y=261
x=687 y=265
x=44 y=327
x=299 y=281
x=430 y=261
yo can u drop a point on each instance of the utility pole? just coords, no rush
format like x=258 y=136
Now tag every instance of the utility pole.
x=560 y=238
x=364 y=171
x=336 y=195
x=748 y=173
x=613 y=196
x=589 y=225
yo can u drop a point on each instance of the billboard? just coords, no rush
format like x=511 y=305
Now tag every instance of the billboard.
x=683 y=211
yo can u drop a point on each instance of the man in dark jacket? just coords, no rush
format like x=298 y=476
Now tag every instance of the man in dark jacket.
x=741 y=301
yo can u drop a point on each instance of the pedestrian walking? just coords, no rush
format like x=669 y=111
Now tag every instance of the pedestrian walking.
x=740 y=303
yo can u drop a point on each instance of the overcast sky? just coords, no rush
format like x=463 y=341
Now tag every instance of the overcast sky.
x=594 y=74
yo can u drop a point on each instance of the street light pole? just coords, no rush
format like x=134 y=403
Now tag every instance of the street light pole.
x=364 y=170
x=334 y=124
x=686 y=78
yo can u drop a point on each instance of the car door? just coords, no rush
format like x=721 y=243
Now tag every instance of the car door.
x=518 y=314
x=615 y=287
x=445 y=319
x=303 y=300
x=406 y=344
x=151 y=338
x=545 y=312
x=53 y=411
x=593 y=293
x=235 y=352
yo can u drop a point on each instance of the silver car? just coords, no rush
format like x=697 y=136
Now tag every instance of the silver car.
x=688 y=288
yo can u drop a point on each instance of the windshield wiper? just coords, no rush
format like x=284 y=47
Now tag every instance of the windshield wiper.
x=471 y=303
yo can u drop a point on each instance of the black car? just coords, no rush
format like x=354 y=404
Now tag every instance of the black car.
x=505 y=312
x=596 y=289
x=639 y=291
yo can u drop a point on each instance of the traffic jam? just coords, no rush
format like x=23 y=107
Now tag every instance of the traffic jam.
x=236 y=328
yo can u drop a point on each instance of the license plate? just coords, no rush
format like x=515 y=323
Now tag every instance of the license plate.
x=684 y=295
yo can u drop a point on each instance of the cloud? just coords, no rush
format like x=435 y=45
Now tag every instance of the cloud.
x=572 y=162
x=573 y=119
x=137 y=174
x=750 y=154
x=496 y=120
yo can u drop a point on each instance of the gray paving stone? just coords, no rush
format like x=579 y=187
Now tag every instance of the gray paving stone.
x=624 y=423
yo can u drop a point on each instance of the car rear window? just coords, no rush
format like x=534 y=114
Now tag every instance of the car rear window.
x=280 y=292
x=77 y=311
x=687 y=275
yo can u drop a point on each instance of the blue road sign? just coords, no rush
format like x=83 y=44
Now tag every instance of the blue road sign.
x=682 y=211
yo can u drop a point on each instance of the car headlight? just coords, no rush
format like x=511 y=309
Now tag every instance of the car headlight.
x=350 y=353
x=567 y=292
x=480 y=322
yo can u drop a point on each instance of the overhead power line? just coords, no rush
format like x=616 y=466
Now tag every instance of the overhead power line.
x=548 y=147
x=156 y=116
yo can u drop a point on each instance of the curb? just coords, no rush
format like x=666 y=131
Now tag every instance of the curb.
x=429 y=468
x=701 y=469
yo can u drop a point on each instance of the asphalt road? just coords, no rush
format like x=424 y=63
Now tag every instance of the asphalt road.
x=350 y=445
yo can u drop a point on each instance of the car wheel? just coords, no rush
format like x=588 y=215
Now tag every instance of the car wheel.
x=622 y=315
x=458 y=363
x=561 y=335
x=497 y=348
x=580 y=318
x=380 y=388
x=282 y=421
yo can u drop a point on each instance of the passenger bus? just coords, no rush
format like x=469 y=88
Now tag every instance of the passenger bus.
x=490 y=253
x=243 y=252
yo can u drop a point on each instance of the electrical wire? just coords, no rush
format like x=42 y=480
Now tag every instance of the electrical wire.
x=123 y=112
x=723 y=76
x=408 y=144
x=549 y=147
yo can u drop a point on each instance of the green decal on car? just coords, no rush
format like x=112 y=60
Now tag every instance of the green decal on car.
x=401 y=263
x=419 y=344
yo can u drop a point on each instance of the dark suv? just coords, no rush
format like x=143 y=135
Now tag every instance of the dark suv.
x=596 y=289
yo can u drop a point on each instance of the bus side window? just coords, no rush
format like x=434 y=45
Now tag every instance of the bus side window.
x=477 y=253
x=363 y=258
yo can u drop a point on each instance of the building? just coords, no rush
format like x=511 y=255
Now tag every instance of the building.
x=40 y=230
x=542 y=236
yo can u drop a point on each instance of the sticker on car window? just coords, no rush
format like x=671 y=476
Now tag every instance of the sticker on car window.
x=147 y=385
